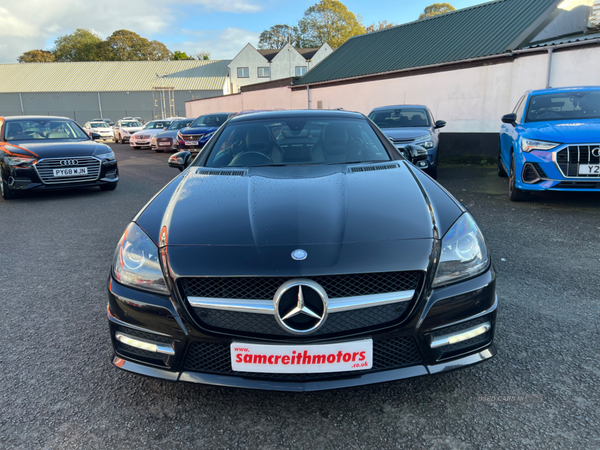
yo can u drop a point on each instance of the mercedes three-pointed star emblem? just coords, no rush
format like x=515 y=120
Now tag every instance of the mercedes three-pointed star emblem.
x=301 y=308
x=297 y=314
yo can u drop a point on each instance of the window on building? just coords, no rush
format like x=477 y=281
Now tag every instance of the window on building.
x=243 y=72
x=264 y=72
x=300 y=70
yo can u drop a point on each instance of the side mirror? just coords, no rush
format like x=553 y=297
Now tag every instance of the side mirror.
x=95 y=135
x=165 y=128
x=440 y=124
x=180 y=160
x=415 y=153
x=510 y=119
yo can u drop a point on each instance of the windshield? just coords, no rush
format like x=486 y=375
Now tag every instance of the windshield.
x=99 y=125
x=179 y=124
x=576 y=105
x=400 y=118
x=42 y=129
x=156 y=125
x=210 y=120
x=131 y=124
x=302 y=140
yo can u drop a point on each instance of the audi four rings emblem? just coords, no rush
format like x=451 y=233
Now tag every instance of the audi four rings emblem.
x=596 y=152
x=300 y=306
x=69 y=162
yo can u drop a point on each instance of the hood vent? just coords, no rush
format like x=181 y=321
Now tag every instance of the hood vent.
x=373 y=168
x=221 y=173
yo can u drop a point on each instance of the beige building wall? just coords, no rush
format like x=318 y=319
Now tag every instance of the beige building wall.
x=470 y=100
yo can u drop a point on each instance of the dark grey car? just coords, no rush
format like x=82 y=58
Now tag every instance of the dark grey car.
x=167 y=140
x=411 y=124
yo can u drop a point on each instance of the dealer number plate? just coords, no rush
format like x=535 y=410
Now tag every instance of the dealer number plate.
x=70 y=172
x=589 y=169
x=164 y=144
x=191 y=142
x=320 y=358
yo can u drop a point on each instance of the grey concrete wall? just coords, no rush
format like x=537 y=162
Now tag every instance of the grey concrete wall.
x=84 y=106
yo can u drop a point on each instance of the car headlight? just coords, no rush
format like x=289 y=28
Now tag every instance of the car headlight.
x=136 y=262
x=464 y=253
x=531 y=144
x=208 y=136
x=104 y=152
x=422 y=138
x=17 y=160
x=428 y=144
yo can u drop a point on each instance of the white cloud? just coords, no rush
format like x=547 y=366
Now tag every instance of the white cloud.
x=11 y=25
x=233 y=6
x=223 y=44
x=32 y=24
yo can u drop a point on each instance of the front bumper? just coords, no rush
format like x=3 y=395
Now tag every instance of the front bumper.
x=551 y=176
x=134 y=142
x=20 y=179
x=447 y=311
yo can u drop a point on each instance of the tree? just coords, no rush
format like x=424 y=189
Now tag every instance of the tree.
x=436 y=9
x=202 y=55
x=81 y=45
x=381 y=25
x=328 y=21
x=177 y=55
x=33 y=56
x=278 y=36
x=125 y=45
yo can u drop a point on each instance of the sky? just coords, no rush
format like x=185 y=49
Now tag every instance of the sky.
x=222 y=27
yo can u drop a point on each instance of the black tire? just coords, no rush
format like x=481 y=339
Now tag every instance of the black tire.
x=108 y=186
x=515 y=194
x=501 y=172
x=5 y=191
x=118 y=141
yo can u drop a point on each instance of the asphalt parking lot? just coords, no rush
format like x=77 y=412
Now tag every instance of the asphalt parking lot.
x=60 y=391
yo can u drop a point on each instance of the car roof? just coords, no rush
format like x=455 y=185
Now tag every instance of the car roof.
x=9 y=118
x=291 y=114
x=380 y=108
x=564 y=89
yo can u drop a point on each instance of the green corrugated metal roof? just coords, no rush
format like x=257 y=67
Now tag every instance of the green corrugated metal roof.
x=105 y=76
x=481 y=30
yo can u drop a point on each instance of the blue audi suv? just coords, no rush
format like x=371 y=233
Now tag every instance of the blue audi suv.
x=551 y=142
x=411 y=124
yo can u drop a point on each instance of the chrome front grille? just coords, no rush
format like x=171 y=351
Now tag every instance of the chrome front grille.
x=45 y=169
x=142 y=136
x=192 y=137
x=570 y=158
x=402 y=140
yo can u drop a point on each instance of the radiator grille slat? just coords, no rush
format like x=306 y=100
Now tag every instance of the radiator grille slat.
x=45 y=169
x=570 y=159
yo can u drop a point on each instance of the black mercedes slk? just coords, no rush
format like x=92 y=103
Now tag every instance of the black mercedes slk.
x=301 y=251
x=42 y=153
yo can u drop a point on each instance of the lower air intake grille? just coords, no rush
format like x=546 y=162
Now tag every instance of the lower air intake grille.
x=387 y=354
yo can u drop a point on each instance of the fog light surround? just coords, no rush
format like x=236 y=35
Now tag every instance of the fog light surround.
x=143 y=344
x=461 y=336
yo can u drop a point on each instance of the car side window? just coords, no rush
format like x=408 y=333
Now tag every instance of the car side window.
x=520 y=108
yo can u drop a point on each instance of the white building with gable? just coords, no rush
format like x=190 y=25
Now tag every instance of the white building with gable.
x=252 y=66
